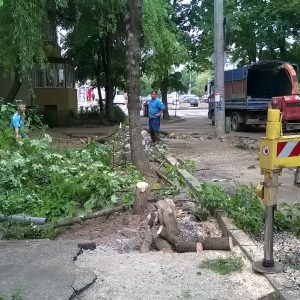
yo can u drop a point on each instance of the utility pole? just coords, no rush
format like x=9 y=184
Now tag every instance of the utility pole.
x=219 y=68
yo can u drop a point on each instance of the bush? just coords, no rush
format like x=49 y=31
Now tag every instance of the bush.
x=118 y=115
x=245 y=208
x=34 y=120
x=37 y=180
x=93 y=114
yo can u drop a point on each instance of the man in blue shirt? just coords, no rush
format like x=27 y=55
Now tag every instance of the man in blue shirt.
x=155 y=109
x=17 y=122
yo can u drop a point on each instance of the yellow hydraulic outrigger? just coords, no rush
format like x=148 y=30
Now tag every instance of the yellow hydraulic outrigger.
x=276 y=152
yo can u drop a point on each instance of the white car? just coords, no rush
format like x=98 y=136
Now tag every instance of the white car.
x=120 y=99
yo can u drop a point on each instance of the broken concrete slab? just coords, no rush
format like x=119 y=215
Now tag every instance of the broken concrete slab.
x=41 y=270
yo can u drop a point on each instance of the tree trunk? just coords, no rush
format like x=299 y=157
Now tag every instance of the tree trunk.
x=109 y=92
x=133 y=55
x=98 y=80
x=100 y=95
x=101 y=104
x=217 y=243
x=159 y=243
x=282 y=48
x=164 y=98
x=108 y=72
x=14 y=88
x=183 y=246
x=209 y=243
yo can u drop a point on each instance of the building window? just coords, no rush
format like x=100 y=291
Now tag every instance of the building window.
x=57 y=75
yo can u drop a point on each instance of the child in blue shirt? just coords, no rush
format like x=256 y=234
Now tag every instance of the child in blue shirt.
x=17 y=122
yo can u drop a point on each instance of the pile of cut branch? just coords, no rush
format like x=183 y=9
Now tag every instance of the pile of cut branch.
x=164 y=234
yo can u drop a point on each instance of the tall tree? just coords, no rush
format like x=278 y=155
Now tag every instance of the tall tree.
x=162 y=50
x=262 y=30
x=96 y=36
x=22 y=27
x=133 y=54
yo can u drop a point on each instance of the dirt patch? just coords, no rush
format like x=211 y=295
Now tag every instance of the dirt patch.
x=221 y=161
x=124 y=232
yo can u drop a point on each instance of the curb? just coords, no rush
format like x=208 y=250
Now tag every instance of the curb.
x=281 y=284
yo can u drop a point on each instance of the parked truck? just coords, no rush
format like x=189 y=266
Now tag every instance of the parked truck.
x=250 y=90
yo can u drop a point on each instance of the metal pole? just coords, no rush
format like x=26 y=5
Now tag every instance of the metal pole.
x=219 y=68
x=267 y=265
x=268 y=260
x=176 y=99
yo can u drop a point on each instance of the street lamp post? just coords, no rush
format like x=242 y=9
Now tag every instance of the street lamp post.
x=219 y=68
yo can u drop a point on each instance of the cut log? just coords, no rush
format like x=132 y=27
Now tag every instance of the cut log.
x=217 y=243
x=180 y=245
x=167 y=215
x=140 y=201
x=162 y=245
x=168 y=236
x=147 y=242
x=96 y=214
x=152 y=219
x=183 y=246
x=159 y=243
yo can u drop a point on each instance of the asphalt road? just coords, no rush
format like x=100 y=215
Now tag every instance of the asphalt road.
x=195 y=121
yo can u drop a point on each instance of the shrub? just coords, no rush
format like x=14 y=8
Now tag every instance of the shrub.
x=36 y=179
x=118 y=115
x=245 y=208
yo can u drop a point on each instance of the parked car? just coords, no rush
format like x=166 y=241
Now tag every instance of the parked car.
x=192 y=100
x=204 y=99
x=120 y=99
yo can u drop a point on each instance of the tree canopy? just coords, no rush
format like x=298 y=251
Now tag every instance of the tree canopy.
x=174 y=33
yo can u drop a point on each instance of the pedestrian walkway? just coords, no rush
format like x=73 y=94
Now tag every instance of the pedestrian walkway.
x=41 y=270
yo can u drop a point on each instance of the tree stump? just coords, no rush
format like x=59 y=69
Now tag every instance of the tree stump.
x=140 y=200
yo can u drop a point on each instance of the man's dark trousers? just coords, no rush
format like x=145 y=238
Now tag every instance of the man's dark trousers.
x=154 y=127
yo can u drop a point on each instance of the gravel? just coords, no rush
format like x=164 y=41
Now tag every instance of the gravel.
x=287 y=251
x=162 y=276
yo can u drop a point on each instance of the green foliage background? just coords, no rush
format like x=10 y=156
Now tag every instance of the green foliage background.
x=39 y=180
x=245 y=209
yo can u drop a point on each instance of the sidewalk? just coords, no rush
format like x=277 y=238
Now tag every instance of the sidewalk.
x=41 y=270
